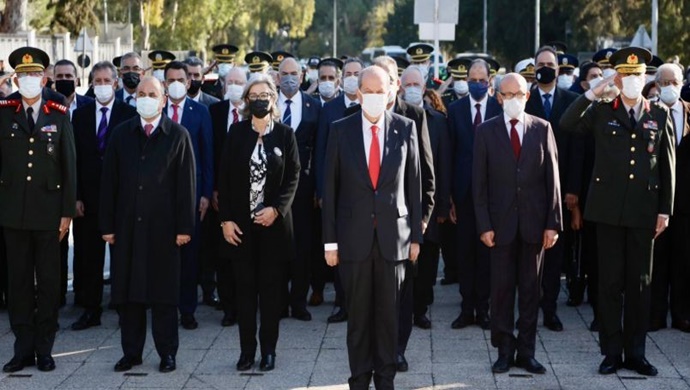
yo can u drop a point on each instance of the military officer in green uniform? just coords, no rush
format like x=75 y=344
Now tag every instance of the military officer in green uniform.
x=38 y=197
x=630 y=199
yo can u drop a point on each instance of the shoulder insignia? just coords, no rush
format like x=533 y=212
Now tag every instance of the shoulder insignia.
x=55 y=107
x=616 y=103
x=10 y=103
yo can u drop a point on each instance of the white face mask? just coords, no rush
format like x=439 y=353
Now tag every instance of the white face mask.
x=669 y=94
x=147 y=107
x=177 y=90
x=313 y=74
x=608 y=72
x=103 y=93
x=632 y=86
x=30 y=86
x=514 y=107
x=374 y=104
x=414 y=95
x=461 y=87
x=223 y=69
x=594 y=82
x=233 y=92
x=565 y=81
x=327 y=89
x=425 y=71
x=392 y=94
x=350 y=85
x=159 y=74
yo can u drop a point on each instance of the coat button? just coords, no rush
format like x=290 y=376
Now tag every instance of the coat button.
x=632 y=162
x=633 y=136
x=58 y=186
x=139 y=219
x=31 y=140
x=28 y=178
x=30 y=165
x=632 y=149
x=373 y=215
x=31 y=152
x=631 y=176
x=141 y=188
x=597 y=179
x=614 y=132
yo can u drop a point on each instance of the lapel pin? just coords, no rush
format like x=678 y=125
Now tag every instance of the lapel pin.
x=277 y=152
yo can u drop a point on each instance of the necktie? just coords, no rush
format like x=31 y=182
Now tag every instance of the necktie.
x=30 y=118
x=176 y=116
x=129 y=100
x=287 y=115
x=633 y=121
x=353 y=104
x=477 y=116
x=547 y=105
x=678 y=132
x=374 y=157
x=235 y=116
x=148 y=129
x=514 y=138
x=102 y=129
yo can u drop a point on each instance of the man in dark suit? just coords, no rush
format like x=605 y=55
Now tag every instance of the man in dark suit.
x=372 y=224
x=630 y=199
x=147 y=213
x=517 y=201
x=331 y=112
x=464 y=116
x=195 y=118
x=549 y=102
x=195 y=70
x=131 y=71
x=37 y=193
x=92 y=128
x=223 y=115
x=671 y=272
x=301 y=112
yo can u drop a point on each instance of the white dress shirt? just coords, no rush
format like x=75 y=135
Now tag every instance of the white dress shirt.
x=349 y=102
x=99 y=114
x=295 y=109
x=72 y=106
x=180 y=109
x=677 y=114
x=36 y=106
x=155 y=123
x=519 y=127
x=231 y=117
x=637 y=108
x=125 y=95
x=482 y=108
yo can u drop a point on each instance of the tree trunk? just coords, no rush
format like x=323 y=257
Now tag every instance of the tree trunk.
x=14 y=16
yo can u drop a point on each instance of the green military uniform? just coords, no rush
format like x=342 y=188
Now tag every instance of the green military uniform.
x=632 y=184
x=37 y=189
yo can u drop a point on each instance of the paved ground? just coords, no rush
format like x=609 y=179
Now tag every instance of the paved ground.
x=313 y=355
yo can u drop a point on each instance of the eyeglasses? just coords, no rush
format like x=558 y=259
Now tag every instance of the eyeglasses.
x=126 y=69
x=510 y=95
x=34 y=74
x=261 y=96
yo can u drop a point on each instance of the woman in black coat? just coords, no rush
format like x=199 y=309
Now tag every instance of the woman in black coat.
x=258 y=176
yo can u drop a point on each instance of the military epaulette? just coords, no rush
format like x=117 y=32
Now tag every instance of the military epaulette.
x=10 y=103
x=55 y=107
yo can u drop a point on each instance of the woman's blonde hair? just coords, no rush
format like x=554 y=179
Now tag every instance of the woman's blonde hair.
x=260 y=78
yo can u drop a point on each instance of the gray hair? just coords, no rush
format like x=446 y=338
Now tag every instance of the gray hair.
x=480 y=62
x=105 y=65
x=256 y=79
x=156 y=83
x=129 y=55
x=351 y=60
x=389 y=65
x=677 y=73
x=193 y=61
x=235 y=69
x=411 y=69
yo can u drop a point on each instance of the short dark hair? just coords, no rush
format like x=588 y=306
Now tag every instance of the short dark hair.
x=175 y=65
x=482 y=62
x=543 y=49
x=353 y=59
x=103 y=65
x=67 y=63
x=193 y=61
x=585 y=67
x=332 y=64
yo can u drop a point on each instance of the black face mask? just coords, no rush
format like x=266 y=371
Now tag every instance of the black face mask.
x=130 y=79
x=49 y=84
x=545 y=75
x=194 y=87
x=259 y=108
x=65 y=87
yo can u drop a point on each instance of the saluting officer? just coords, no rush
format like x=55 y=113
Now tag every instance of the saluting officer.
x=38 y=197
x=630 y=200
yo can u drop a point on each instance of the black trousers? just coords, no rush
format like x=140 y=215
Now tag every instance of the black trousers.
x=473 y=262
x=372 y=289
x=189 y=277
x=661 y=266
x=406 y=306
x=64 y=257
x=517 y=264
x=320 y=271
x=89 y=259
x=33 y=309
x=258 y=282
x=553 y=268
x=449 y=236
x=590 y=256
x=213 y=267
x=300 y=266
x=163 y=328
x=680 y=268
x=3 y=270
x=427 y=268
x=625 y=255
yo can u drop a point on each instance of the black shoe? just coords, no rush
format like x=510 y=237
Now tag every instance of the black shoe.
x=211 y=300
x=594 y=326
x=681 y=325
x=167 y=364
x=502 y=364
x=656 y=324
x=574 y=301
x=126 y=363
x=188 y=321
x=316 y=298
x=45 y=363
x=245 y=362
x=530 y=364
x=484 y=321
x=462 y=321
x=422 y=322
x=610 y=364
x=301 y=314
x=285 y=313
x=229 y=319
x=18 y=364
x=88 y=319
x=552 y=322
x=641 y=366
x=401 y=363
x=268 y=362
x=447 y=281
x=339 y=316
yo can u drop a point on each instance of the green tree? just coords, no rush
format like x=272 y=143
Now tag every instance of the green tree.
x=400 y=28
x=73 y=15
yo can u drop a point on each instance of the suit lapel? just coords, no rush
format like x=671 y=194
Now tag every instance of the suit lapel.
x=356 y=144
x=557 y=105
x=621 y=114
x=527 y=139
x=537 y=104
x=41 y=121
x=20 y=119
x=686 y=119
x=501 y=134
x=391 y=138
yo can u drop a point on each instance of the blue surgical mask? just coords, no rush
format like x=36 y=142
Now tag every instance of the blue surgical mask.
x=478 y=90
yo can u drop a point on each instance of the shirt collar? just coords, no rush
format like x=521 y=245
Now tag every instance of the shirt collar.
x=36 y=106
x=180 y=105
x=677 y=106
x=297 y=98
x=542 y=92
x=637 y=107
x=507 y=119
x=348 y=101
x=109 y=105
x=475 y=102
x=155 y=123
x=380 y=123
